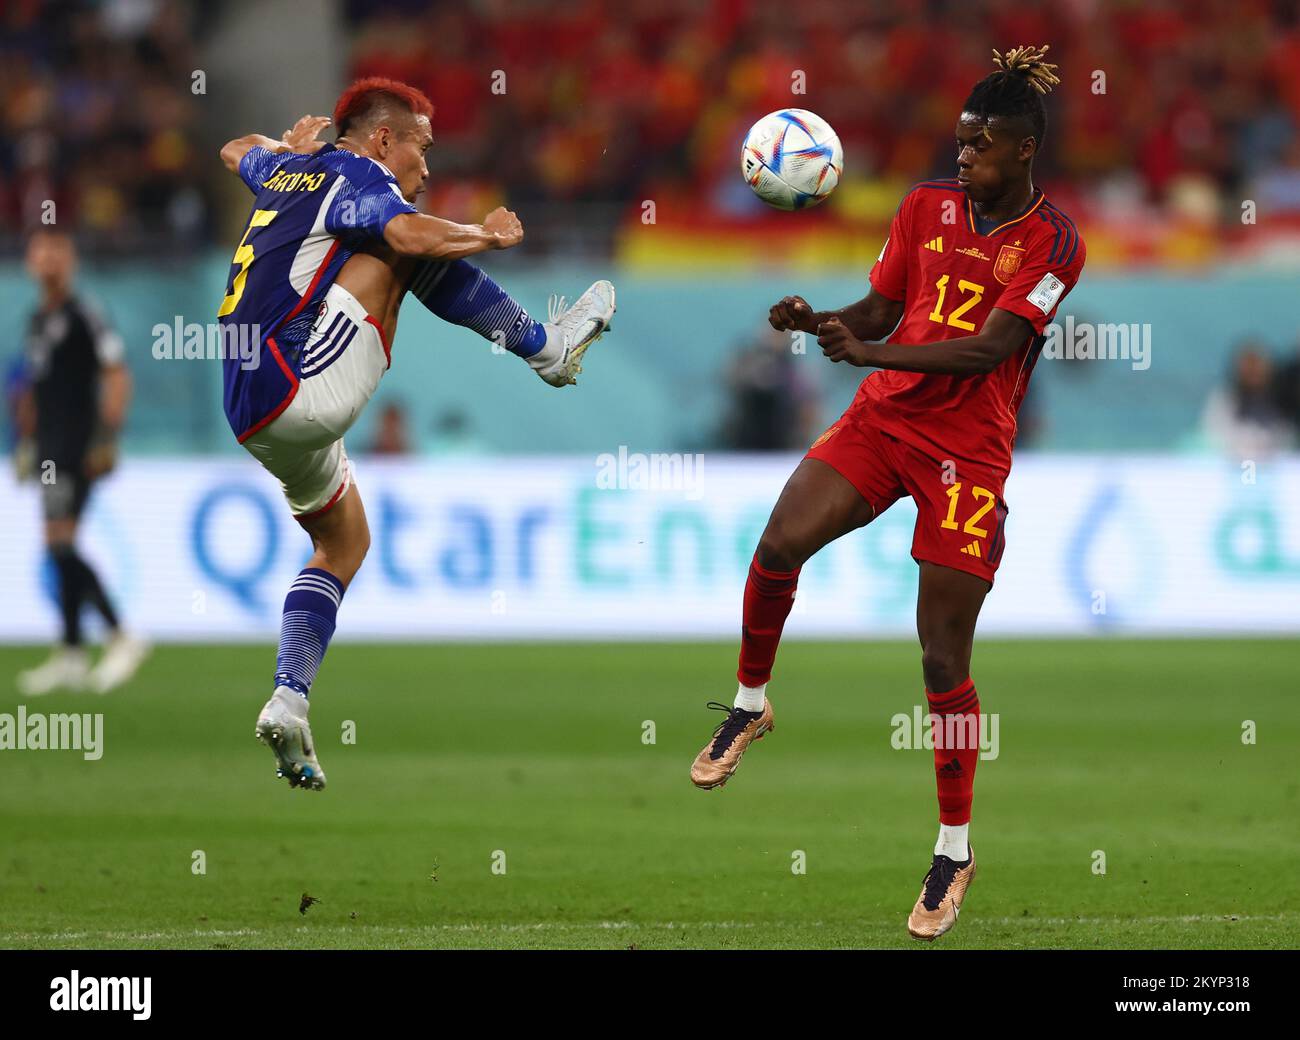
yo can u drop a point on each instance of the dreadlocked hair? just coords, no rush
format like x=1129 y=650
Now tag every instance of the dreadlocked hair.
x=1016 y=89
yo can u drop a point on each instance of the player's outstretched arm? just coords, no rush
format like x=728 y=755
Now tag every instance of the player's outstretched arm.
x=233 y=152
x=1002 y=334
x=873 y=317
x=301 y=138
x=422 y=235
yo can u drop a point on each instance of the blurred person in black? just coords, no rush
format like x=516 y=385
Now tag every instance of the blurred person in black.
x=1286 y=390
x=1242 y=416
x=772 y=405
x=73 y=407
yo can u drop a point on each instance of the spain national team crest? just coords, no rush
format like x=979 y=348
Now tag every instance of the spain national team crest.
x=1008 y=263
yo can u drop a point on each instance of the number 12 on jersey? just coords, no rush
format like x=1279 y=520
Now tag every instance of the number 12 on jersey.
x=955 y=319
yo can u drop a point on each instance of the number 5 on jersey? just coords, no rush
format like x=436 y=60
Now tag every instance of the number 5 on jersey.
x=243 y=259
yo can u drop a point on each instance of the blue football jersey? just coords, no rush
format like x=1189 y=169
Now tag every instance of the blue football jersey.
x=312 y=212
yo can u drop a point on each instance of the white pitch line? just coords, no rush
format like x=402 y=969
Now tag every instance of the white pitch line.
x=1181 y=919
x=576 y=926
x=534 y=926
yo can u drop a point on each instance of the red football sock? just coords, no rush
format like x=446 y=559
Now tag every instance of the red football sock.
x=956 y=749
x=768 y=598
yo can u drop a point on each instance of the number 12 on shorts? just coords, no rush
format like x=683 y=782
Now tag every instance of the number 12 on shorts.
x=971 y=526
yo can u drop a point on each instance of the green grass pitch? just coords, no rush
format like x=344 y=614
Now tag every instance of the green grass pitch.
x=1133 y=748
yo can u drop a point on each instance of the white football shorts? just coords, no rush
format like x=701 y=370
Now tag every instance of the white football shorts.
x=342 y=363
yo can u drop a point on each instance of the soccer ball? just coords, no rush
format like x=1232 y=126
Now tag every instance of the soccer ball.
x=792 y=159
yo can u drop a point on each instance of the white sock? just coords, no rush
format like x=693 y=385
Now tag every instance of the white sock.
x=750 y=698
x=952 y=842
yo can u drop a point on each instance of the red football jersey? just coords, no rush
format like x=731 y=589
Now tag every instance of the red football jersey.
x=949 y=276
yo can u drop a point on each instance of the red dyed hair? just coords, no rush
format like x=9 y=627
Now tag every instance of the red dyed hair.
x=364 y=94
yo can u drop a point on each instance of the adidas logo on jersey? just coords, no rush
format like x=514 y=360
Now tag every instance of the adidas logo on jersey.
x=973 y=550
x=936 y=244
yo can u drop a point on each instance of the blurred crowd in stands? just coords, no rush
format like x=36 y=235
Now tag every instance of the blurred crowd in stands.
x=600 y=101
x=97 y=117
x=614 y=101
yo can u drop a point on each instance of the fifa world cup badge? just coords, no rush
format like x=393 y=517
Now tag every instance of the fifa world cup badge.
x=1008 y=262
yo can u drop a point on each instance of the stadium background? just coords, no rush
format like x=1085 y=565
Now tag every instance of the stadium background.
x=614 y=140
x=1152 y=500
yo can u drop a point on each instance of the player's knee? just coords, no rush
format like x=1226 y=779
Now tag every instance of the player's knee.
x=945 y=666
x=348 y=556
x=342 y=551
x=64 y=557
x=60 y=533
x=778 y=550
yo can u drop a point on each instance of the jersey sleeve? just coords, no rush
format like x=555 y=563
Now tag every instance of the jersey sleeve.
x=109 y=348
x=889 y=273
x=364 y=210
x=1042 y=282
x=258 y=164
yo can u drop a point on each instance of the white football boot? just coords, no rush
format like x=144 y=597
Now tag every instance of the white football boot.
x=283 y=728
x=123 y=655
x=570 y=331
x=67 y=668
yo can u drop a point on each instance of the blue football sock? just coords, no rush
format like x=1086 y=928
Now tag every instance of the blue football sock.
x=460 y=293
x=305 y=630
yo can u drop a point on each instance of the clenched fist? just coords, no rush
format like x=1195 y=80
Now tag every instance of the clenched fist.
x=839 y=344
x=504 y=225
x=793 y=314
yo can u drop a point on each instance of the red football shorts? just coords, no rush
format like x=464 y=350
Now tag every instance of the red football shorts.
x=960 y=521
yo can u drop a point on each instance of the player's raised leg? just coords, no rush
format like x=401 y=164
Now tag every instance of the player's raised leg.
x=947 y=607
x=817 y=506
x=340 y=537
x=460 y=293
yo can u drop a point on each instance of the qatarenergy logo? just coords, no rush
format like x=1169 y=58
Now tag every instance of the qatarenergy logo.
x=35 y=731
x=74 y=993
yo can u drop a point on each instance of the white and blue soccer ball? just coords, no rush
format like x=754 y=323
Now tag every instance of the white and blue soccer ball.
x=792 y=159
